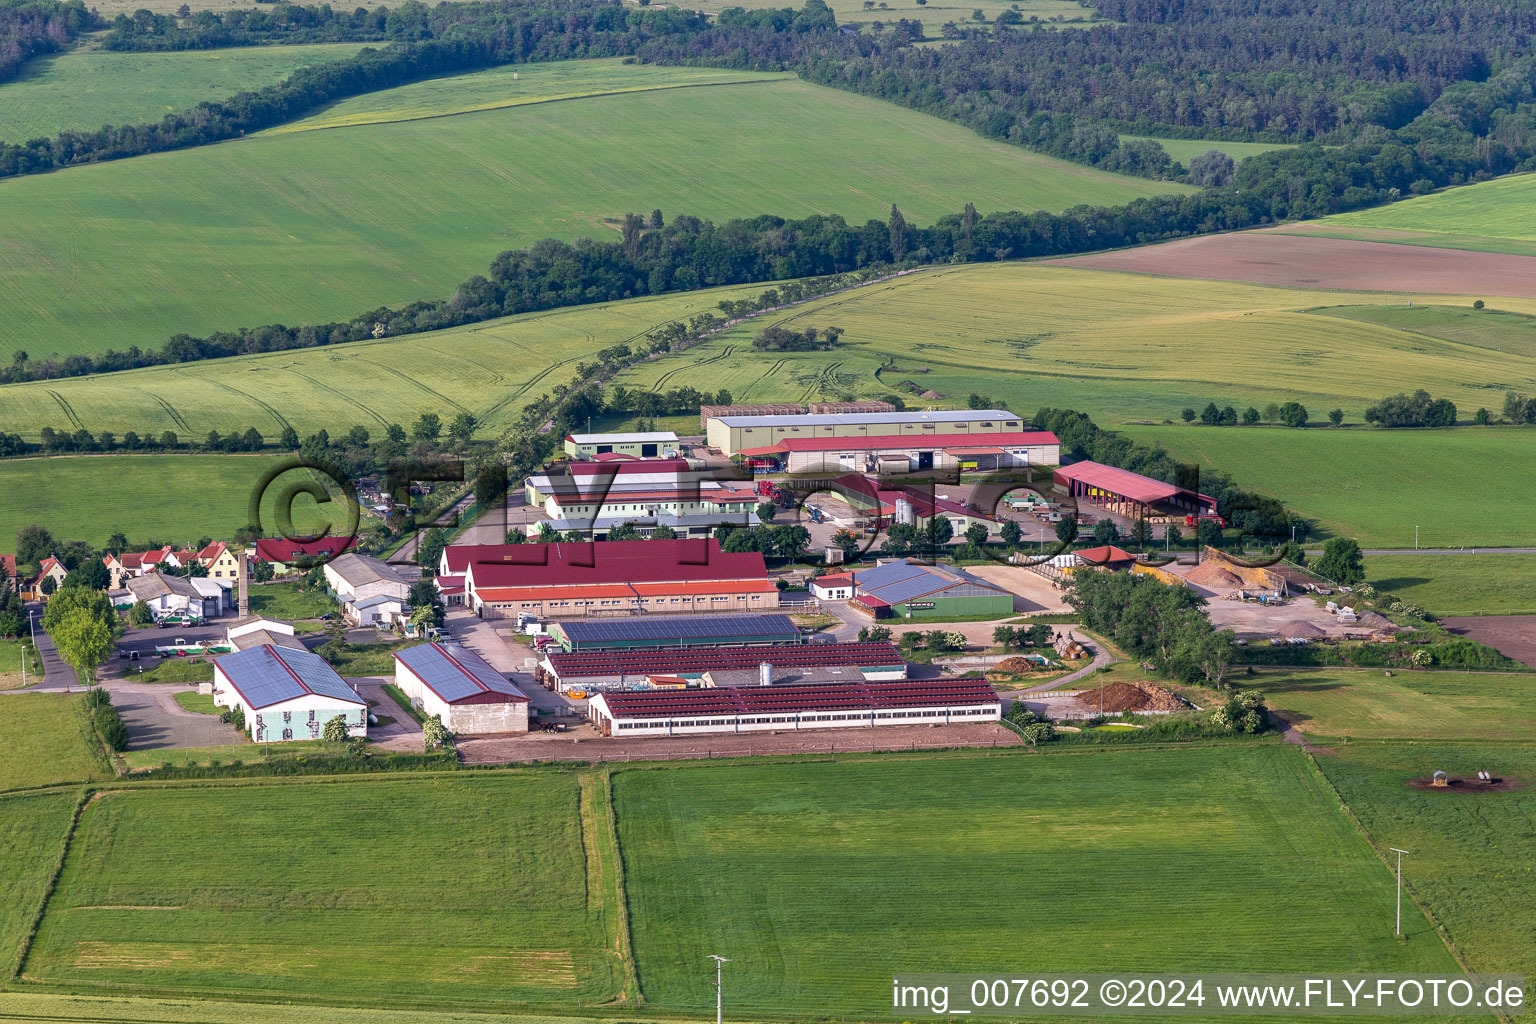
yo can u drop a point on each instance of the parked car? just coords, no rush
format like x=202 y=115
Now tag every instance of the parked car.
x=133 y=655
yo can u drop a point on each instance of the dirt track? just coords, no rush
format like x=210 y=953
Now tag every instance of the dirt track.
x=1262 y=257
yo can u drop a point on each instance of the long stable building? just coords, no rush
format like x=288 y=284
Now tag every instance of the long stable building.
x=734 y=435
x=691 y=631
x=592 y=671
x=566 y=580
x=778 y=708
x=902 y=453
x=596 y=497
x=1130 y=494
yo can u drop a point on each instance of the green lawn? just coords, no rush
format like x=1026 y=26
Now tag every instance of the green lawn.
x=1185 y=150
x=1376 y=485
x=11 y=654
x=309 y=226
x=224 y=753
x=822 y=880
x=1367 y=704
x=172 y=670
x=1469 y=855
x=303 y=904
x=1458 y=584
x=287 y=600
x=1491 y=216
x=202 y=703
x=1494 y=329
x=32 y=830
x=42 y=742
x=195 y=495
x=371 y=659
x=85 y=88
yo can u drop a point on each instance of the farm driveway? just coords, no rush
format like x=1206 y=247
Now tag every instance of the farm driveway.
x=505 y=656
x=156 y=722
x=401 y=734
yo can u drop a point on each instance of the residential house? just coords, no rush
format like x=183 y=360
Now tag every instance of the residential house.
x=371 y=592
x=51 y=568
x=123 y=567
x=221 y=562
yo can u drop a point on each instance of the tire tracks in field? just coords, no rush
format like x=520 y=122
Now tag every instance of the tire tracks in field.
x=69 y=412
x=666 y=378
x=415 y=383
x=282 y=421
x=775 y=368
x=345 y=398
x=170 y=410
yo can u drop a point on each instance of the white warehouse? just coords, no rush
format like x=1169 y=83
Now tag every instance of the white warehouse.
x=286 y=694
x=462 y=689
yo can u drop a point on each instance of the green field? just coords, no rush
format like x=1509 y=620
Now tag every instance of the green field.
x=1458 y=584
x=42 y=742
x=194 y=496
x=1469 y=857
x=1491 y=216
x=171 y=670
x=304 y=904
x=822 y=880
x=1185 y=150
x=83 y=89
x=1115 y=345
x=286 y=601
x=1376 y=485
x=1367 y=704
x=32 y=828
x=11 y=675
x=1496 y=329
x=201 y=703
x=309 y=226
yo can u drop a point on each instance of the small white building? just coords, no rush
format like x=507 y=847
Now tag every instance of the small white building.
x=371 y=592
x=286 y=694
x=172 y=595
x=255 y=630
x=837 y=587
x=460 y=687
x=215 y=593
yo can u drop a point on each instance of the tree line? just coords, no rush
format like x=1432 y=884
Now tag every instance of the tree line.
x=31 y=28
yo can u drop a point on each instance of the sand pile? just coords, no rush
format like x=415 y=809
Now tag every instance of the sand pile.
x=1014 y=666
x=1211 y=574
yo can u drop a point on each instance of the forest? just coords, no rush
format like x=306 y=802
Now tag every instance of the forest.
x=31 y=28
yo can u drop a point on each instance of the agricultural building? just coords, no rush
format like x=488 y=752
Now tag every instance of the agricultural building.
x=371 y=592
x=596 y=671
x=286 y=694
x=172 y=595
x=254 y=631
x=641 y=445
x=777 y=708
x=1130 y=494
x=694 y=631
x=904 y=504
x=595 y=497
x=1107 y=557
x=889 y=454
x=461 y=688
x=907 y=589
x=734 y=435
x=565 y=580
x=295 y=556
x=838 y=587
x=709 y=412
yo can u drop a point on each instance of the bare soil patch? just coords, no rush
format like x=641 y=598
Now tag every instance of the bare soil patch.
x=1260 y=257
x=1130 y=697
x=1473 y=785
x=1513 y=636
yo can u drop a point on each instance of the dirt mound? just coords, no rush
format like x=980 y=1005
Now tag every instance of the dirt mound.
x=1300 y=627
x=1374 y=620
x=1473 y=785
x=1130 y=697
x=930 y=394
x=1013 y=667
x=1211 y=574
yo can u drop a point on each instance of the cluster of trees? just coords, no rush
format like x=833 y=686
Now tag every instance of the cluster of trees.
x=1018 y=637
x=13 y=619
x=1159 y=624
x=935 y=641
x=108 y=722
x=1251 y=513
x=1518 y=408
x=30 y=28
x=283 y=23
x=782 y=339
x=1341 y=561
x=1292 y=414
x=1416 y=410
x=788 y=542
x=83 y=626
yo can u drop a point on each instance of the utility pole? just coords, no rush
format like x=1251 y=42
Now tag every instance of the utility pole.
x=720 y=962
x=1399 y=853
x=1415 y=538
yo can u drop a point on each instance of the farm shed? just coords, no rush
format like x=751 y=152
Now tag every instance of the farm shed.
x=838 y=587
x=255 y=630
x=1129 y=494
x=909 y=589
x=627 y=670
x=646 y=445
x=903 y=453
x=171 y=595
x=777 y=708
x=370 y=591
x=732 y=434
x=908 y=504
x=691 y=631
x=461 y=688
x=286 y=694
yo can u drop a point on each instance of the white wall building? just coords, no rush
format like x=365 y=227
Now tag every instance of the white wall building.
x=286 y=694
x=461 y=688
x=370 y=591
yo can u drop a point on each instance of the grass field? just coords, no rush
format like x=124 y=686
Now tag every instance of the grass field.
x=1114 y=345
x=1491 y=216
x=11 y=675
x=194 y=495
x=32 y=828
x=42 y=742
x=309 y=226
x=83 y=89
x=1458 y=584
x=1496 y=329
x=1377 y=485
x=304 y=904
x=1185 y=150
x=1367 y=704
x=201 y=703
x=1469 y=860
x=285 y=600
x=823 y=880
x=171 y=670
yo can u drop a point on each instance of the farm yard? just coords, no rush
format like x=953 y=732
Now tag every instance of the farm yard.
x=309 y=226
x=1491 y=216
x=862 y=870
x=1376 y=485
x=85 y=88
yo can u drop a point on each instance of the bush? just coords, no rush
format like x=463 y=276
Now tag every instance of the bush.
x=109 y=724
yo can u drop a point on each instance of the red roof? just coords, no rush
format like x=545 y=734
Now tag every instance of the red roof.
x=278 y=550
x=670 y=660
x=627 y=465
x=1122 y=482
x=623 y=561
x=841 y=579
x=1108 y=554
x=211 y=552
x=9 y=562
x=758 y=700
x=882 y=495
x=906 y=442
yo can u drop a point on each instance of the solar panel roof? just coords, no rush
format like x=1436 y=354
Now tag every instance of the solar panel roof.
x=268 y=675
x=680 y=628
x=456 y=673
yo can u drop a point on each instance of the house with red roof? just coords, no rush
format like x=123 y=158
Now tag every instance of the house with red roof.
x=51 y=568
x=297 y=556
x=221 y=562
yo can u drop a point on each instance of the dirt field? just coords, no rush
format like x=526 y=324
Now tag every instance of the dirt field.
x=1513 y=636
x=584 y=744
x=1261 y=257
x=1032 y=592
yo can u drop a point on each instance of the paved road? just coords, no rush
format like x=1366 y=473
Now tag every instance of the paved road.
x=57 y=675
x=481 y=637
x=156 y=722
x=403 y=733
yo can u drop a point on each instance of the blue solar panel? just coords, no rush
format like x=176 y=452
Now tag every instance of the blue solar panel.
x=456 y=674
x=680 y=628
x=266 y=675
